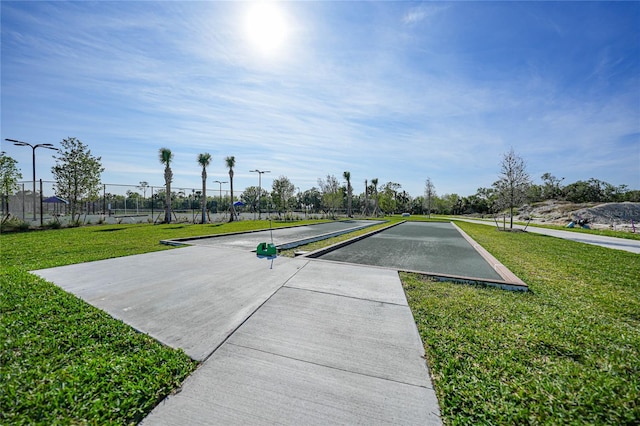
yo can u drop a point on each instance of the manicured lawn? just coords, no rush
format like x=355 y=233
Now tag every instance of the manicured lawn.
x=65 y=362
x=567 y=352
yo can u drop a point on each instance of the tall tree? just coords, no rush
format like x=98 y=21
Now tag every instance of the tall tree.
x=204 y=160
x=347 y=177
x=283 y=190
x=77 y=175
x=250 y=197
x=166 y=156
x=231 y=163
x=388 y=197
x=429 y=194
x=513 y=183
x=366 y=198
x=143 y=187
x=9 y=176
x=374 y=184
x=331 y=193
x=312 y=199
x=551 y=188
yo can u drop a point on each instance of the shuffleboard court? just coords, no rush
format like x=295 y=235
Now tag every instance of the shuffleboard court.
x=283 y=237
x=431 y=247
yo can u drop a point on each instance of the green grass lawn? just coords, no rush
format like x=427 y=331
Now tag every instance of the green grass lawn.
x=567 y=352
x=66 y=362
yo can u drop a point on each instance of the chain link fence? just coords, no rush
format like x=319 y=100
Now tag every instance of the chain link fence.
x=41 y=205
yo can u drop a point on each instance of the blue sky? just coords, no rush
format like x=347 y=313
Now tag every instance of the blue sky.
x=400 y=91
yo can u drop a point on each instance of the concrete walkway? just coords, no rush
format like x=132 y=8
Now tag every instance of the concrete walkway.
x=632 y=246
x=307 y=342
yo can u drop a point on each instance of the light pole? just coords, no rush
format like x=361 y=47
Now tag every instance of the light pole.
x=33 y=147
x=260 y=173
x=218 y=182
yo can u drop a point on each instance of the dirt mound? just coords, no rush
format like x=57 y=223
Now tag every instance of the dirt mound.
x=607 y=215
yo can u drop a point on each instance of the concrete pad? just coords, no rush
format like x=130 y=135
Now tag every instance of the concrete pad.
x=366 y=337
x=281 y=236
x=190 y=298
x=362 y=282
x=244 y=386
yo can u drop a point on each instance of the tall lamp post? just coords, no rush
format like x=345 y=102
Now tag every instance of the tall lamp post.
x=33 y=148
x=260 y=173
x=220 y=183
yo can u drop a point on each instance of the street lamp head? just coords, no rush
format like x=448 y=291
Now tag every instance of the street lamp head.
x=21 y=143
x=47 y=145
x=16 y=142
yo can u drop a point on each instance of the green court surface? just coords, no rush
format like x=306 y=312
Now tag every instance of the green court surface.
x=430 y=247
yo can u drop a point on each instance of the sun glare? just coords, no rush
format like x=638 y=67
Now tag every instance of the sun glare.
x=266 y=27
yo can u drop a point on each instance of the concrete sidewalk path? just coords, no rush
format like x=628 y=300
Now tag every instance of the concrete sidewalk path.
x=632 y=246
x=307 y=342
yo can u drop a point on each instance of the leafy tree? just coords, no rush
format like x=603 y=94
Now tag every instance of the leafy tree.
x=166 y=156
x=312 y=198
x=250 y=197
x=593 y=190
x=331 y=194
x=487 y=197
x=231 y=163
x=417 y=205
x=204 y=160
x=77 y=174
x=143 y=187
x=388 y=197
x=429 y=194
x=403 y=201
x=347 y=177
x=283 y=189
x=551 y=188
x=535 y=193
x=9 y=176
x=513 y=183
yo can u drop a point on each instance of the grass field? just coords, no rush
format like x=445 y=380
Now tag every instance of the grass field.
x=567 y=352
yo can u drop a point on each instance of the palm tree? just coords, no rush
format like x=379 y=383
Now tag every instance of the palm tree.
x=165 y=158
x=204 y=160
x=366 y=198
x=347 y=177
x=374 y=183
x=231 y=163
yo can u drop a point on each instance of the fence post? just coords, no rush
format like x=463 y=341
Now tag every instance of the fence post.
x=23 y=206
x=41 y=222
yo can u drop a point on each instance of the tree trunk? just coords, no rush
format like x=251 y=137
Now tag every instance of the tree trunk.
x=232 y=209
x=167 y=178
x=204 y=196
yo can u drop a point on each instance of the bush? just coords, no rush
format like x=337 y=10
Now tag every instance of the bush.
x=14 y=224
